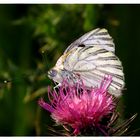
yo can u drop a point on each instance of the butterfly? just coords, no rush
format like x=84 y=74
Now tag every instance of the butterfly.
x=90 y=58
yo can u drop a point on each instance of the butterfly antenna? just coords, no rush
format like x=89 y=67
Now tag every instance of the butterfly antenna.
x=44 y=57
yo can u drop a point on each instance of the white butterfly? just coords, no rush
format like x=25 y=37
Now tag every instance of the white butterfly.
x=90 y=57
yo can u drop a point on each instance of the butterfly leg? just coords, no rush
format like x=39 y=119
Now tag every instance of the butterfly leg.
x=57 y=86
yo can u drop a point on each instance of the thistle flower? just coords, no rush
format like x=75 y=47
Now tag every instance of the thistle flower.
x=83 y=109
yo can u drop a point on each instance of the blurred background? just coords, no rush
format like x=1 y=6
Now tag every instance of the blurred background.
x=27 y=30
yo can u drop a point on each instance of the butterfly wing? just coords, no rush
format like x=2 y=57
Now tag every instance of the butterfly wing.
x=95 y=37
x=92 y=63
x=92 y=57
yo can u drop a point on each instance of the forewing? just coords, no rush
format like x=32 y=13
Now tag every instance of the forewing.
x=92 y=63
x=95 y=37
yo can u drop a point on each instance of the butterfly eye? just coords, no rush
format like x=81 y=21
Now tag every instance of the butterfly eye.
x=52 y=73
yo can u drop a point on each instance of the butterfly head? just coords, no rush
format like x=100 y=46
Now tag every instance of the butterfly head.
x=55 y=74
x=52 y=73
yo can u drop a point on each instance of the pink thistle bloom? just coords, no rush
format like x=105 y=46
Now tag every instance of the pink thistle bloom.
x=80 y=107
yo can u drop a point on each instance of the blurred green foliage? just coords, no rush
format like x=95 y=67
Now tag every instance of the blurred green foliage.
x=28 y=30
